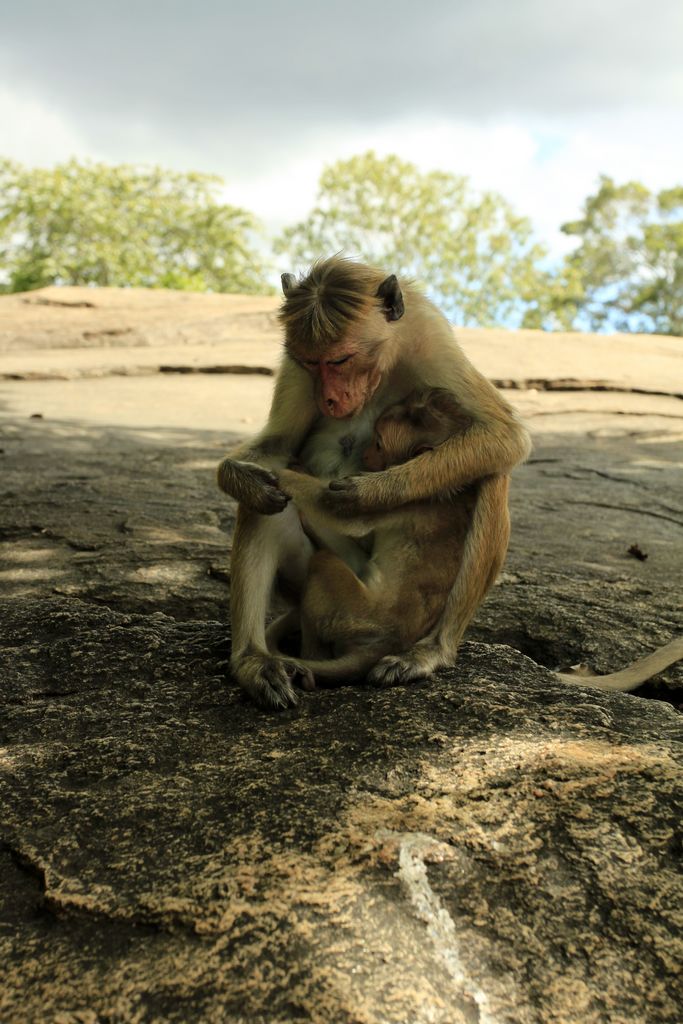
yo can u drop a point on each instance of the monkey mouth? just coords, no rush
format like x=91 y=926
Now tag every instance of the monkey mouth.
x=332 y=410
x=332 y=415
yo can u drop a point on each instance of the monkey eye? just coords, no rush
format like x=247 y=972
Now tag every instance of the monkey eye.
x=338 y=362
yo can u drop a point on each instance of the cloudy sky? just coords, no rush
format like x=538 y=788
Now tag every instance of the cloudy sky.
x=534 y=98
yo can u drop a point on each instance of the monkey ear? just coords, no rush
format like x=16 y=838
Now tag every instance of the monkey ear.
x=288 y=282
x=392 y=300
x=416 y=407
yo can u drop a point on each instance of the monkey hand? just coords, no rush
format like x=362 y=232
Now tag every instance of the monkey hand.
x=299 y=485
x=345 y=496
x=369 y=492
x=253 y=486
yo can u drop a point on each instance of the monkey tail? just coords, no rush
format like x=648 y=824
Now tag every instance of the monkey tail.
x=485 y=549
x=354 y=665
x=632 y=676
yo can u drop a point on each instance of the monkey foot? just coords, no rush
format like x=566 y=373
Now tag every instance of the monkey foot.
x=270 y=681
x=400 y=668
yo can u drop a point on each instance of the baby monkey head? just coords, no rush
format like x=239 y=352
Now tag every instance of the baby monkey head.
x=419 y=423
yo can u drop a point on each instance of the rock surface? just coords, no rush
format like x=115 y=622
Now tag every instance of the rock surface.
x=490 y=846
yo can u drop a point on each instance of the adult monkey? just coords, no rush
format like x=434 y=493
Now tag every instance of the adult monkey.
x=356 y=343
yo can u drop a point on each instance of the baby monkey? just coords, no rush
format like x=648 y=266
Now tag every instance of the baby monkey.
x=349 y=621
x=423 y=420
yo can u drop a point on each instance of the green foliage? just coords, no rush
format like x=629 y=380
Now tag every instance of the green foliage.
x=558 y=301
x=123 y=225
x=475 y=255
x=629 y=261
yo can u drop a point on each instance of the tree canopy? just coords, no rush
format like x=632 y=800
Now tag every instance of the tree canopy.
x=122 y=225
x=629 y=261
x=126 y=225
x=473 y=254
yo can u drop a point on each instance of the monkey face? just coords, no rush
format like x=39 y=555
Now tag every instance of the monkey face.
x=374 y=457
x=339 y=326
x=398 y=438
x=390 y=444
x=344 y=380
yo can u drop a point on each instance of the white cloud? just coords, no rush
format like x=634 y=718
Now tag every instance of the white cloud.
x=545 y=169
x=533 y=99
x=35 y=133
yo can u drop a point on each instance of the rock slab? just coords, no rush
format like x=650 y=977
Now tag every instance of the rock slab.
x=490 y=846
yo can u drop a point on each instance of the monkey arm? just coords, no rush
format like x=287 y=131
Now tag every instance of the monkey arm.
x=308 y=492
x=484 y=449
x=245 y=474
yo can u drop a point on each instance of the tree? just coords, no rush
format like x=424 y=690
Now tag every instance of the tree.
x=122 y=225
x=558 y=299
x=630 y=258
x=474 y=255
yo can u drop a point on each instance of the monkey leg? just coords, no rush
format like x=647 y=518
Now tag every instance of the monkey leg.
x=262 y=547
x=282 y=627
x=485 y=549
x=338 y=611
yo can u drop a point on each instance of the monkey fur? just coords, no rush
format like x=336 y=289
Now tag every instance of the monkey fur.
x=416 y=554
